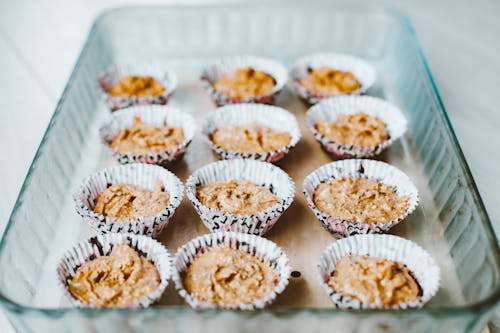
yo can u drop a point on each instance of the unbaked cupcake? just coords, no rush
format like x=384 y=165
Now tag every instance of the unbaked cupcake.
x=378 y=272
x=115 y=271
x=152 y=134
x=128 y=85
x=230 y=270
x=317 y=76
x=132 y=198
x=359 y=196
x=254 y=131
x=240 y=195
x=356 y=126
x=245 y=79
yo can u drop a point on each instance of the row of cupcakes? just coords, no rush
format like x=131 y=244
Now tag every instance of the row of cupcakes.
x=243 y=79
x=348 y=197
x=346 y=126
x=240 y=271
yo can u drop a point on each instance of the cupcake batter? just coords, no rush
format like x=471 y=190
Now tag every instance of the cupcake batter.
x=355 y=129
x=250 y=139
x=117 y=280
x=225 y=276
x=359 y=200
x=139 y=86
x=129 y=202
x=245 y=83
x=143 y=138
x=374 y=280
x=236 y=197
x=329 y=81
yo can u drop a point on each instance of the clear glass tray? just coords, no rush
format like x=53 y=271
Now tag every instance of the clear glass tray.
x=451 y=221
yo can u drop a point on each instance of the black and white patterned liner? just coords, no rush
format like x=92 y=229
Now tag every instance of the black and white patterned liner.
x=364 y=72
x=260 y=247
x=330 y=108
x=422 y=266
x=142 y=175
x=273 y=117
x=102 y=245
x=225 y=66
x=156 y=115
x=159 y=72
x=359 y=168
x=260 y=173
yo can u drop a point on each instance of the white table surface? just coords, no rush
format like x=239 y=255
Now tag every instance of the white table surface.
x=40 y=42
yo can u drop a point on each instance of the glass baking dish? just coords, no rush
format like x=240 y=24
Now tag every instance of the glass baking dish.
x=451 y=221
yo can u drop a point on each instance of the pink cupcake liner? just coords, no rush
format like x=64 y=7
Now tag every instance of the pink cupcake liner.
x=142 y=175
x=273 y=117
x=422 y=266
x=156 y=115
x=260 y=247
x=102 y=245
x=359 y=168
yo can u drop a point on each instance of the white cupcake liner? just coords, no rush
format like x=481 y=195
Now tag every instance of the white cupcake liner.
x=102 y=245
x=273 y=117
x=422 y=266
x=156 y=115
x=225 y=66
x=261 y=173
x=260 y=247
x=359 y=168
x=142 y=175
x=163 y=75
x=329 y=109
x=364 y=72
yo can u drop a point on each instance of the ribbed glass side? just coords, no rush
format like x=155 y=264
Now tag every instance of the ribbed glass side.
x=189 y=36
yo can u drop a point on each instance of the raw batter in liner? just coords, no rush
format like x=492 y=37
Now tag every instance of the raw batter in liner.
x=329 y=81
x=139 y=86
x=245 y=83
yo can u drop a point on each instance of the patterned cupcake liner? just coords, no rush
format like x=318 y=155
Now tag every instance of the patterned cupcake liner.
x=273 y=117
x=262 y=248
x=261 y=173
x=422 y=266
x=157 y=115
x=364 y=72
x=102 y=245
x=329 y=109
x=359 y=168
x=142 y=175
x=163 y=75
x=227 y=65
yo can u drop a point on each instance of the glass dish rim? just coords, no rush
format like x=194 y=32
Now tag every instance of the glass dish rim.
x=480 y=306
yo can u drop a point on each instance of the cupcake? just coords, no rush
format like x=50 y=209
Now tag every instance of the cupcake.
x=115 y=271
x=240 y=195
x=255 y=131
x=132 y=198
x=356 y=126
x=317 y=76
x=359 y=196
x=129 y=85
x=245 y=79
x=231 y=271
x=151 y=134
x=378 y=272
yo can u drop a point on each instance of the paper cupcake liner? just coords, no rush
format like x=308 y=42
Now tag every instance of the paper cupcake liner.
x=156 y=115
x=364 y=72
x=358 y=168
x=422 y=266
x=261 y=173
x=260 y=247
x=329 y=109
x=273 y=117
x=163 y=75
x=142 y=175
x=227 y=65
x=103 y=245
